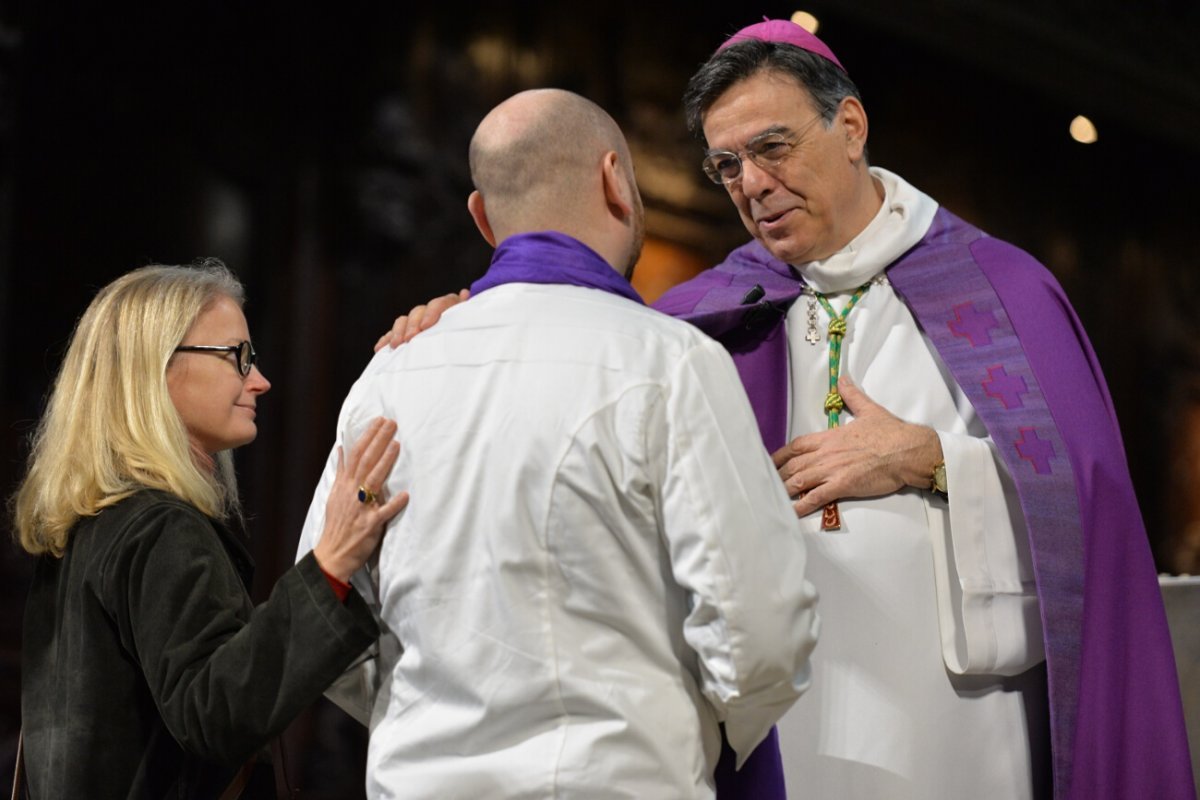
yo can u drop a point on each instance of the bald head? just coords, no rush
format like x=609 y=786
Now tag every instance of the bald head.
x=536 y=160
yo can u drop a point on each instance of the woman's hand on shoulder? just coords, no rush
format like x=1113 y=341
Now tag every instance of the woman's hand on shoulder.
x=356 y=513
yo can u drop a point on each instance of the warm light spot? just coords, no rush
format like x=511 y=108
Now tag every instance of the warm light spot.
x=663 y=264
x=806 y=20
x=497 y=59
x=1082 y=130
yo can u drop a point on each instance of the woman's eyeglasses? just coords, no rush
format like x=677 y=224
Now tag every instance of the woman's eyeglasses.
x=246 y=357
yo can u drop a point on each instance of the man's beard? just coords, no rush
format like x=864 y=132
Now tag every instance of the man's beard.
x=639 y=235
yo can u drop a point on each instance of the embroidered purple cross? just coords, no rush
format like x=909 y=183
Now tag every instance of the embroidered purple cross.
x=1005 y=388
x=972 y=324
x=1036 y=451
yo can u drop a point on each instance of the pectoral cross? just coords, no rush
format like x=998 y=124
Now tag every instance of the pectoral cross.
x=812 y=336
x=831 y=518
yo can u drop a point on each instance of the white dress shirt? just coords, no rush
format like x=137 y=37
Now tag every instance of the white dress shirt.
x=598 y=563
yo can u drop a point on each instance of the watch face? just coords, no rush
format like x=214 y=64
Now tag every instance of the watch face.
x=939 y=478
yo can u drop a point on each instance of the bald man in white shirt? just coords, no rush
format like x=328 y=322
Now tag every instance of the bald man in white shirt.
x=598 y=564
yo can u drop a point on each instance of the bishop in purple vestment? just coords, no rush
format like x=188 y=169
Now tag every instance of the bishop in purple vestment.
x=786 y=133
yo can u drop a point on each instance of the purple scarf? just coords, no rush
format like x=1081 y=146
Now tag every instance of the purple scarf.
x=552 y=257
x=555 y=258
x=1003 y=327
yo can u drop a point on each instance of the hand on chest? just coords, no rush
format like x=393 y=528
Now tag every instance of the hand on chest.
x=882 y=349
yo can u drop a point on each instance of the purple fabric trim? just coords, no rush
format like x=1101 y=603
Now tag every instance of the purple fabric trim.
x=989 y=309
x=760 y=778
x=967 y=323
x=555 y=258
x=1130 y=739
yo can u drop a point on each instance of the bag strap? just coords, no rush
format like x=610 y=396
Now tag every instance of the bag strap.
x=234 y=790
x=19 y=767
x=283 y=786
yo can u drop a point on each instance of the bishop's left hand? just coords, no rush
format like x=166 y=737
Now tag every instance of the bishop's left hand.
x=877 y=453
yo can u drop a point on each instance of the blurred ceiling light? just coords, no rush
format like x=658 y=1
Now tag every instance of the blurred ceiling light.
x=806 y=20
x=497 y=59
x=1082 y=130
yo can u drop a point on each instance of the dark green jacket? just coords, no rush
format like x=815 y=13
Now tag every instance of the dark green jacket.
x=146 y=670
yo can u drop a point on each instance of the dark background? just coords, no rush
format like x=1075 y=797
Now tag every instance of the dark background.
x=322 y=154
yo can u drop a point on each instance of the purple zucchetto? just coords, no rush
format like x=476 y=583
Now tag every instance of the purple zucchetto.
x=786 y=32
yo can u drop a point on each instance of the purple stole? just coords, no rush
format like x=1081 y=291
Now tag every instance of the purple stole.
x=552 y=257
x=549 y=257
x=1003 y=327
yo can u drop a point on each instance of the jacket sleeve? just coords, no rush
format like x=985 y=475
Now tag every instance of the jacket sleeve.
x=736 y=547
x=226 y=677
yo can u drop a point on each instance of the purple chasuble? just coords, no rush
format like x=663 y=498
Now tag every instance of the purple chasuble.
x=552 y=257
x=1001 y=324
x=555 y=258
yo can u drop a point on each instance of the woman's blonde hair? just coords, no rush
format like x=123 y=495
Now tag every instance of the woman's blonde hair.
x=110 y=427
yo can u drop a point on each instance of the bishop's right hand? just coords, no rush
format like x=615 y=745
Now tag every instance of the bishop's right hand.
x=421 y=318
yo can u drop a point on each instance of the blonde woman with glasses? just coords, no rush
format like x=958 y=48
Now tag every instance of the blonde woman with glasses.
x=147 y=672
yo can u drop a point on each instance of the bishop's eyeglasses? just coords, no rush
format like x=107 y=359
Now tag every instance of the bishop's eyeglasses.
x=246 y=357
x=766 y=150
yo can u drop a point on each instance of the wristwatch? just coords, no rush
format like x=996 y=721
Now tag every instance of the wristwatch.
x=937 y=480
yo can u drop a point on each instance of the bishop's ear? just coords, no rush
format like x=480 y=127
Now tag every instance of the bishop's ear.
x=854 y=121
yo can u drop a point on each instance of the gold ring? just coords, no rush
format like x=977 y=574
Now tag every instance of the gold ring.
x=365 y=495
